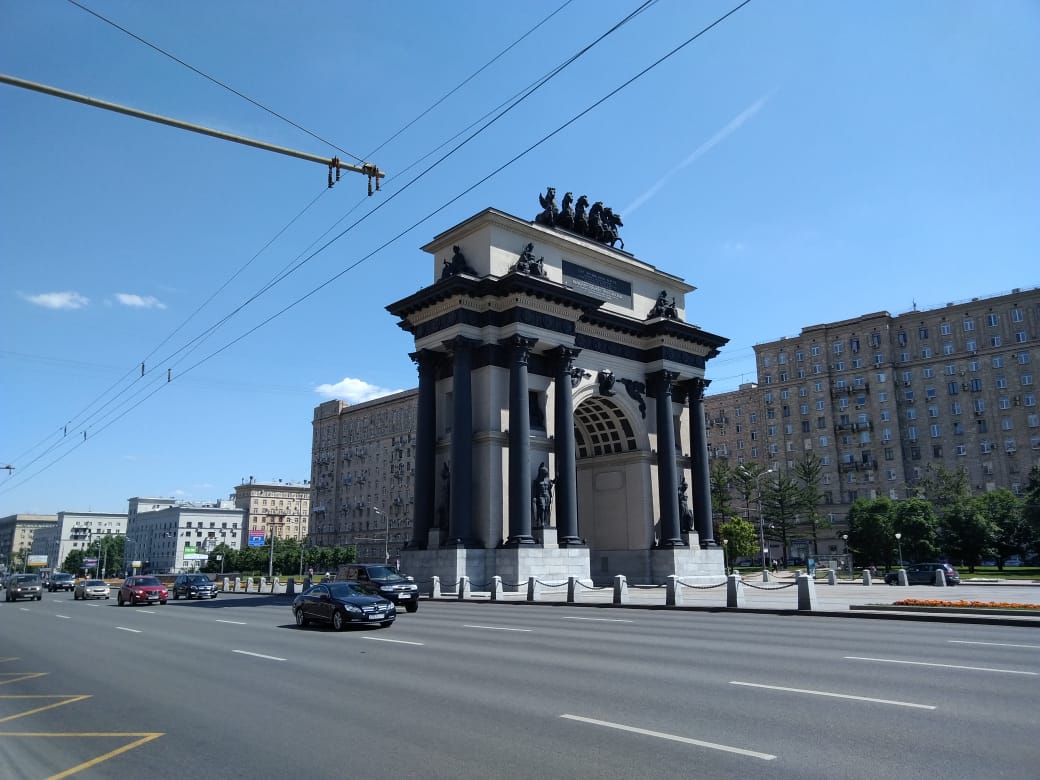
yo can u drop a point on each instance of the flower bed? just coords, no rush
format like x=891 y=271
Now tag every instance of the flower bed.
x=962 y=604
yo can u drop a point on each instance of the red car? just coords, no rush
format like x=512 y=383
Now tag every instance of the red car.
x=142 y=589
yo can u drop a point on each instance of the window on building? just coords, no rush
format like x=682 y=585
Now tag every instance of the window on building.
x=992 y=320
x=969 y=326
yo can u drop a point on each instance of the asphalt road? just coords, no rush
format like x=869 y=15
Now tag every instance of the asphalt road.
x=232 y=688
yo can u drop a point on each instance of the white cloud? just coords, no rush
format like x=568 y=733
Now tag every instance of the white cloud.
x=353 y=391
x=58 y=300
x=731 y=127
x=140 y=301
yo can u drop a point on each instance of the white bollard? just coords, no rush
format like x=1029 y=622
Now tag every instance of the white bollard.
x=620 y=589
x=806 y=593
x=496 y=588
x=533 y=589
x=673 y=595
x=435 y=588
x=832 y=577
x=866 y=577
x=902 y=580
x=734 y=592
x=463 y=587
x=227 y=585
x=940 y=577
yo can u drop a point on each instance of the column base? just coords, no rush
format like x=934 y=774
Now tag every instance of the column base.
x=517 y=541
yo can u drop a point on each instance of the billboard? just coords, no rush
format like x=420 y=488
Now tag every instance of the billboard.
x=257 y=538
x=37 y=560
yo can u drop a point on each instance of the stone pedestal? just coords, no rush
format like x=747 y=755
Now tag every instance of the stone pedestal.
x=513 y=564
x=695 y=566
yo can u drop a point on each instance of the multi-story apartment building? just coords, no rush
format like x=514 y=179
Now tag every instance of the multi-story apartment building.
x=75 y=531
x=164 y=536
x=281 y=509
x=362 y=470
x=16 y=537
x=880 y=397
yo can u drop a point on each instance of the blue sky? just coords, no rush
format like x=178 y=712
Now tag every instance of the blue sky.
x=801 y=162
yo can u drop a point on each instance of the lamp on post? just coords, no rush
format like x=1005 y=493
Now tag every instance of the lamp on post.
x=848 y=558
x=761 y=525
x=725 y=556
x=899 y=538
x=386 y=535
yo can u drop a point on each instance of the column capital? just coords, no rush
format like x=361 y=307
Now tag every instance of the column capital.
x=662 y=381
x=518 y=342
x=425 y=357
x=564 y=354
x=460 y=343
x=695 y=387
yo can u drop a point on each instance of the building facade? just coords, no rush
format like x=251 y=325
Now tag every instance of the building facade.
x=879 y=398
x=16 y=538
x=279 y=509
x=164 y=536
x=75 y=531
x=362 y=475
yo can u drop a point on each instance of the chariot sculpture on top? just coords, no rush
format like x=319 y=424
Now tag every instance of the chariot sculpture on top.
x=600 y=223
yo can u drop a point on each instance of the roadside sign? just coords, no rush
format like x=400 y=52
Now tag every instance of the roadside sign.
x=89 y=563
x=257 y=538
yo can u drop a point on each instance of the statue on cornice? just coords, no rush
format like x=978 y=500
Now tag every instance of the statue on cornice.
x=457 y=265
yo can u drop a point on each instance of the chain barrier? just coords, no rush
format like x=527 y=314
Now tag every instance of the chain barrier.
x=771 y=587
x=551 y=584
x=702 y=587
x=593 y=587
x=646 y=587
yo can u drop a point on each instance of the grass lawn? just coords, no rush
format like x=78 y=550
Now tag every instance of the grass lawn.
x=1025 y=573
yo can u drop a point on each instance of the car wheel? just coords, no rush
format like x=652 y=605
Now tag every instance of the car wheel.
x=412 y=606
x=338 y=621
x=386 y=624
x=301 y=619
x=176 y=595
x=120 y=599
x=39 y=597
x=162 y=601
x=213 y=596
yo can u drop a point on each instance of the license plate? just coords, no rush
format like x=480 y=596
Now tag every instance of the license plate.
x=377 y=616
x=404 y=595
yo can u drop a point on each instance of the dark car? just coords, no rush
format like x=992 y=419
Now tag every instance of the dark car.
x=390 y=583
x=194 y=586
x=924 y=574
x=341 y=604
x=61 y=581
x=141 y=589
x=23 y=586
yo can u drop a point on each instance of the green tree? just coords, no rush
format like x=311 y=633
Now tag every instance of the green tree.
x=741 y=538
x=73 y=562
x=871 y=534
x=915 y=519
x=808 y=471
x=721 y=475
x=781 y=504
x=1031 y=508
x=1012 y=533
x=969 y=533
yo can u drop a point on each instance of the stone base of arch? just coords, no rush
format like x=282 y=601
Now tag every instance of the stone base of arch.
x=694 y=565
x=513 y=564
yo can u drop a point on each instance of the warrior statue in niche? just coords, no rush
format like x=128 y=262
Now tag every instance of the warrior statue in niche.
x=542 y=497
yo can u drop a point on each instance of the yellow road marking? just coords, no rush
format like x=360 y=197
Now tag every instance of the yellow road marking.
x=19 y=676
x=66 y=699
x=143 y=738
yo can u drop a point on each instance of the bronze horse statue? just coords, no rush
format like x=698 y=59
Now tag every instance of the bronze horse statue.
x=549 y=210
x=566 y=217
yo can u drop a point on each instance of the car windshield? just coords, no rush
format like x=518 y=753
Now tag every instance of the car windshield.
x=62 y=577
x=384 y=573
x=198 y=578
x=93 y=583
x=346 y=590
x=147 y=581
x=25 y=578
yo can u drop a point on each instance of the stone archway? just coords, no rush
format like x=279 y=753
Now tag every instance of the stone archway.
x=613 y=475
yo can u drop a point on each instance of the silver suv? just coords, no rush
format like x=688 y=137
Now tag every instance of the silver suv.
x=23 y=586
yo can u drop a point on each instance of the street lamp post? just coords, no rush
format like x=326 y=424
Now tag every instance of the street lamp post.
x=899 y=541
x=848 y=558
x=386 y=535
x=761 y=525
x=725 y=557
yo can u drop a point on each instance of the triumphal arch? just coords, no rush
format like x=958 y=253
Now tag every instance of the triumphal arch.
x=560 y=426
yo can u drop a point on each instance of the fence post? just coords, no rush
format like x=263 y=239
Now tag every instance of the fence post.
x=734 y=592
x=620 y=589
x=832 y=577
x=902 y=578
x=806 y=593
x=572 y=590
x=463 y=587
x=940 y=577
x=290 y=587
x=533 y=591
x=496 y=588
x=435 y=588
x=673 y=596
x=866 y=577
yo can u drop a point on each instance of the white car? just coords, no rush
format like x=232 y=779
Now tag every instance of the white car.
x=91 y=589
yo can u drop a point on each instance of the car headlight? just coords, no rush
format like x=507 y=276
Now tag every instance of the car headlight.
x=353 y=610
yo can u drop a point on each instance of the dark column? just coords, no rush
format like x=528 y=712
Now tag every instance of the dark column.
x=566 y=469
x=667 y=482
x=425 y=445
x=460 y=524
x=519 y=442
x=699 y=463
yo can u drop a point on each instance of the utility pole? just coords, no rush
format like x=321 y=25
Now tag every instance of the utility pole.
x=335 y=165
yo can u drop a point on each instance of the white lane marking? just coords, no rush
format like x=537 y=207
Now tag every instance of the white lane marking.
x=234 y=622
x=601 y=620
x=25 y=609
x=834 y=695
x=499 y=628
x=146 y=611
x=63 y=617
x=395 y=641
x=131 y=630
x=942 y=666
x=673 y=737
x=991 y=644
x=260 y=655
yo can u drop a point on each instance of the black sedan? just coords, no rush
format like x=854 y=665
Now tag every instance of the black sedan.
x=343 y=604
